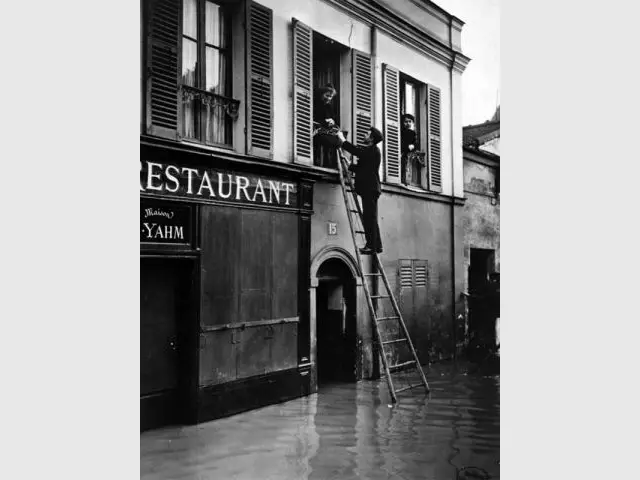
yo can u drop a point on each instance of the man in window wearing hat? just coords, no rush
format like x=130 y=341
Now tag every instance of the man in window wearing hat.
x=367 y=185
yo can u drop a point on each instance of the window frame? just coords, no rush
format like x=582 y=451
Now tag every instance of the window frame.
x=418 y=86
x=344 y=103
x=420 y=115
x=201 y=72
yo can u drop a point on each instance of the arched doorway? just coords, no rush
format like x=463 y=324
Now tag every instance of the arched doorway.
x=336 y=325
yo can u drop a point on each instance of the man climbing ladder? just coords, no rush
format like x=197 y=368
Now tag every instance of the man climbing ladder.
x=367 y=185
x=395 y=347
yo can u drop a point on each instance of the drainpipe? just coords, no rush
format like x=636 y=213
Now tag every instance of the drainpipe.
x=374 y=61
x=453 y=206
x=376 y=350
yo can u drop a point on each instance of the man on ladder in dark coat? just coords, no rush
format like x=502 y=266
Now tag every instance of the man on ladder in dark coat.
x=367 y=184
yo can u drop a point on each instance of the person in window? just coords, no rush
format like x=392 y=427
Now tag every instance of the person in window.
x=325 y=127
x=409 y=138
x=408 y=145
x=367 y=184
x=323 y=114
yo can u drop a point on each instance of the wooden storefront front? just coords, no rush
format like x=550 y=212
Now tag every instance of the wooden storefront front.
x=224 y=272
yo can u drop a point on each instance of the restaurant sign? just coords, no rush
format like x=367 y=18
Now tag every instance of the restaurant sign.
x=210 y=184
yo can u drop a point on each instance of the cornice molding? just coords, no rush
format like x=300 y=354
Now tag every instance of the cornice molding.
x=436 y=10
x=428 y=7
x=460 y=62
x=391 y=24
x=457 y=24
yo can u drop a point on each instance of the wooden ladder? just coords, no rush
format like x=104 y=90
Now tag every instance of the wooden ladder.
x=396 y=349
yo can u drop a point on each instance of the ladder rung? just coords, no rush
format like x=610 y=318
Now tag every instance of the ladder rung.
x=397 y=340
x=354 y=211
x=400 y=365
x=406 y=388
x=372 y=274
x=385 y=318
x=359 y=231
x=380 y=296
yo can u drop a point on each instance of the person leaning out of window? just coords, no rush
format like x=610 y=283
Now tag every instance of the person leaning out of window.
x=325 y=127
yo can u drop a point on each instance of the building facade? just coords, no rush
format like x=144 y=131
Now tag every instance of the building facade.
x=250 y=291
x=481 y=153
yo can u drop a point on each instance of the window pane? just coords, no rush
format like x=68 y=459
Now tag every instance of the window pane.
x=216 y=124
x=189 y=62
x=410 y=99
x=189 y=115
x=190 y=18
x=215 y=25
x=216 y=72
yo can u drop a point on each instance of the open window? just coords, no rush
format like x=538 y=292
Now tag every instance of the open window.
x=411 y=121
x=413 y=157
x=331 y=98
x=319 y=61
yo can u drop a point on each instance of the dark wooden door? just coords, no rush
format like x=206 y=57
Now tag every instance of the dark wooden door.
x=158 y=333
x=162 y=300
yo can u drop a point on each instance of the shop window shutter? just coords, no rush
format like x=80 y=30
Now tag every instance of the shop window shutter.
x=362 y=74
x=434 y=146
x=259 y=80
x=302 y=92
x=163 y=106
x=391 y=117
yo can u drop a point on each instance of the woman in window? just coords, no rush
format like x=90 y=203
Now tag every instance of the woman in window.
x=411 y=161
x=325 y=128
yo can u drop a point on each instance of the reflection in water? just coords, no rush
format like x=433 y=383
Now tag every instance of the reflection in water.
x=346 y=431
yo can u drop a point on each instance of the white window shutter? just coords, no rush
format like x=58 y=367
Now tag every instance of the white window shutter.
x=434 y=145
x=391 y=122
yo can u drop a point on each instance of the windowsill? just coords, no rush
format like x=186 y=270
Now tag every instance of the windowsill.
x=417 y=192
x=212 y=148
x=330 y=171
x=332 y=176
x=414 y=188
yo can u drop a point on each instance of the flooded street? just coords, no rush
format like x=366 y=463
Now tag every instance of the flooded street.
x=346 y=431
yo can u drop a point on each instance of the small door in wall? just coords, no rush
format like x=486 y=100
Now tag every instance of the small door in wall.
x=162 y=309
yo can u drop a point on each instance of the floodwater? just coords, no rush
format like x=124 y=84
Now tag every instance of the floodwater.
x=344 y=432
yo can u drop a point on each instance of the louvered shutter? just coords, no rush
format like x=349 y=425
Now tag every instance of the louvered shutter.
x=259 y=80
x=405 y=290
x=420 y=273
x=163 y=106
x=362 y=74
x=434 y=152
x=302 y=92
x=391 y=116
x=405 y=274
x=421 y=324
